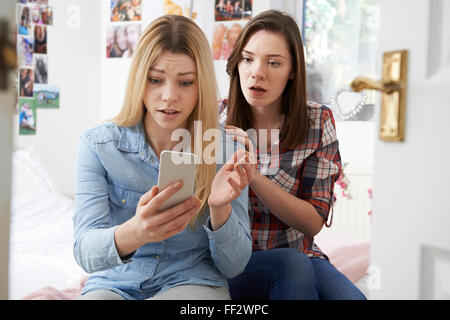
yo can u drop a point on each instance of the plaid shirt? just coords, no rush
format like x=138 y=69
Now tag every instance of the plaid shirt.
x=307 y=172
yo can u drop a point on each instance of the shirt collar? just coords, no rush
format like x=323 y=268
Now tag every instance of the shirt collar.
x=132 y=138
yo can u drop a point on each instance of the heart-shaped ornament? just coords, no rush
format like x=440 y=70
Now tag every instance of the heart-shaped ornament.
x=346 y=103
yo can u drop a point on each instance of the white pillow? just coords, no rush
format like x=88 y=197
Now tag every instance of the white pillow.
x=37 y=210
x=42 y=224
x=29 y=180
x=28 y=174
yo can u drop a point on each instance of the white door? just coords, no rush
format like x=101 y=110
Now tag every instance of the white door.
x=7 y=101
x=411 y=213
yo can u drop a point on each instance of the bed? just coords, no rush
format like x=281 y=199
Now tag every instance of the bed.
x=41 y=235
x=41 y=263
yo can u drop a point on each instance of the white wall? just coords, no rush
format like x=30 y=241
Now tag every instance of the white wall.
x=73 y=65
x=115 y=71
x=357 y=141
x=93 y=87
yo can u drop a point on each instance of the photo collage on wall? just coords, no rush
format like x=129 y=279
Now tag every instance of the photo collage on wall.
x=230 y=17
x=124 y=28
x=179 y=7
x=33 y=18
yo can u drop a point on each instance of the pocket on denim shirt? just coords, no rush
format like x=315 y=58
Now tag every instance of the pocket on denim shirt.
x=122 y=197
x=123 y=203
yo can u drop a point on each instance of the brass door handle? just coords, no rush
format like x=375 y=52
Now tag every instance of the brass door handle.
x=393 y=87
x=363 y=83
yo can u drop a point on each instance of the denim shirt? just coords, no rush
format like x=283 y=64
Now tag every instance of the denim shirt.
x=115 y=167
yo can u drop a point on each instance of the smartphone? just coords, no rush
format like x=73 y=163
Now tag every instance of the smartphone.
x=173 y=166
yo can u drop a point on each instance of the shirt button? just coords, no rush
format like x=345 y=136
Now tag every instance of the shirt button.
x=142 y=154
x=124 y=201
x=158 y=257
x=152 y=160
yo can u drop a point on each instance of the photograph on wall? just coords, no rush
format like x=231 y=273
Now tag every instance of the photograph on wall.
x=27 y=117
x=126 y=10
x=40 y=39
x=224 y=39
x=24 y=19
x=40 y=68
x=179 y=7
x=233 y=10
x=46 y=15
x=25 y=51
x=121 y=40
x=36 y=17
x=26 y=82
x=38 y=1
x=46 y=96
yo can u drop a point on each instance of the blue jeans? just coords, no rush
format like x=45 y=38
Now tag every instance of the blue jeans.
x=276 y=274
x=332 y=284
x=288 y=274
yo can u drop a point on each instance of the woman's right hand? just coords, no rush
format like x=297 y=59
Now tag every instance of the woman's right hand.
x=239 y=135
x=151 y=225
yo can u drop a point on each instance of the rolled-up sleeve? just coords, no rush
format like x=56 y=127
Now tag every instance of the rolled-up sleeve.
x=231 y=245
x=94 y=247
x=322 y=168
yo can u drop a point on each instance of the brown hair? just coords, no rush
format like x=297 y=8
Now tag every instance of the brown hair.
x=176 y=34
x=294 y=101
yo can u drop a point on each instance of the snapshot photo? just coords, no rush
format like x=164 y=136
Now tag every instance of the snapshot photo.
x=46 y=15
x=233 y=10
x=36 y=17
x=27 y=117
x=24 y=21
x=40 y=68
x=126 y=10
x=46 y=96
x=25 y=51
x=40 y=39
x=26 y=82
x=224 y=39
x=38 y=1
x=178 y=7
x=121 y=40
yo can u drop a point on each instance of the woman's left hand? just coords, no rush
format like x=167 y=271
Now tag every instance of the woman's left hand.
x=230 y=180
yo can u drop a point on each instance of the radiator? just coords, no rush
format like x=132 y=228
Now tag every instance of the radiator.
x=351 y=218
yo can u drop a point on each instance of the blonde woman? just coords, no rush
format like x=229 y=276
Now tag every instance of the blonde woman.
x=133 y=250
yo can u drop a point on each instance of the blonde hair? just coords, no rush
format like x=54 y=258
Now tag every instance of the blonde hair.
x=176 y=34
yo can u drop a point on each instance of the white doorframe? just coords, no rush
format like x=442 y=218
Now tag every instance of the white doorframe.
x=7 y=98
